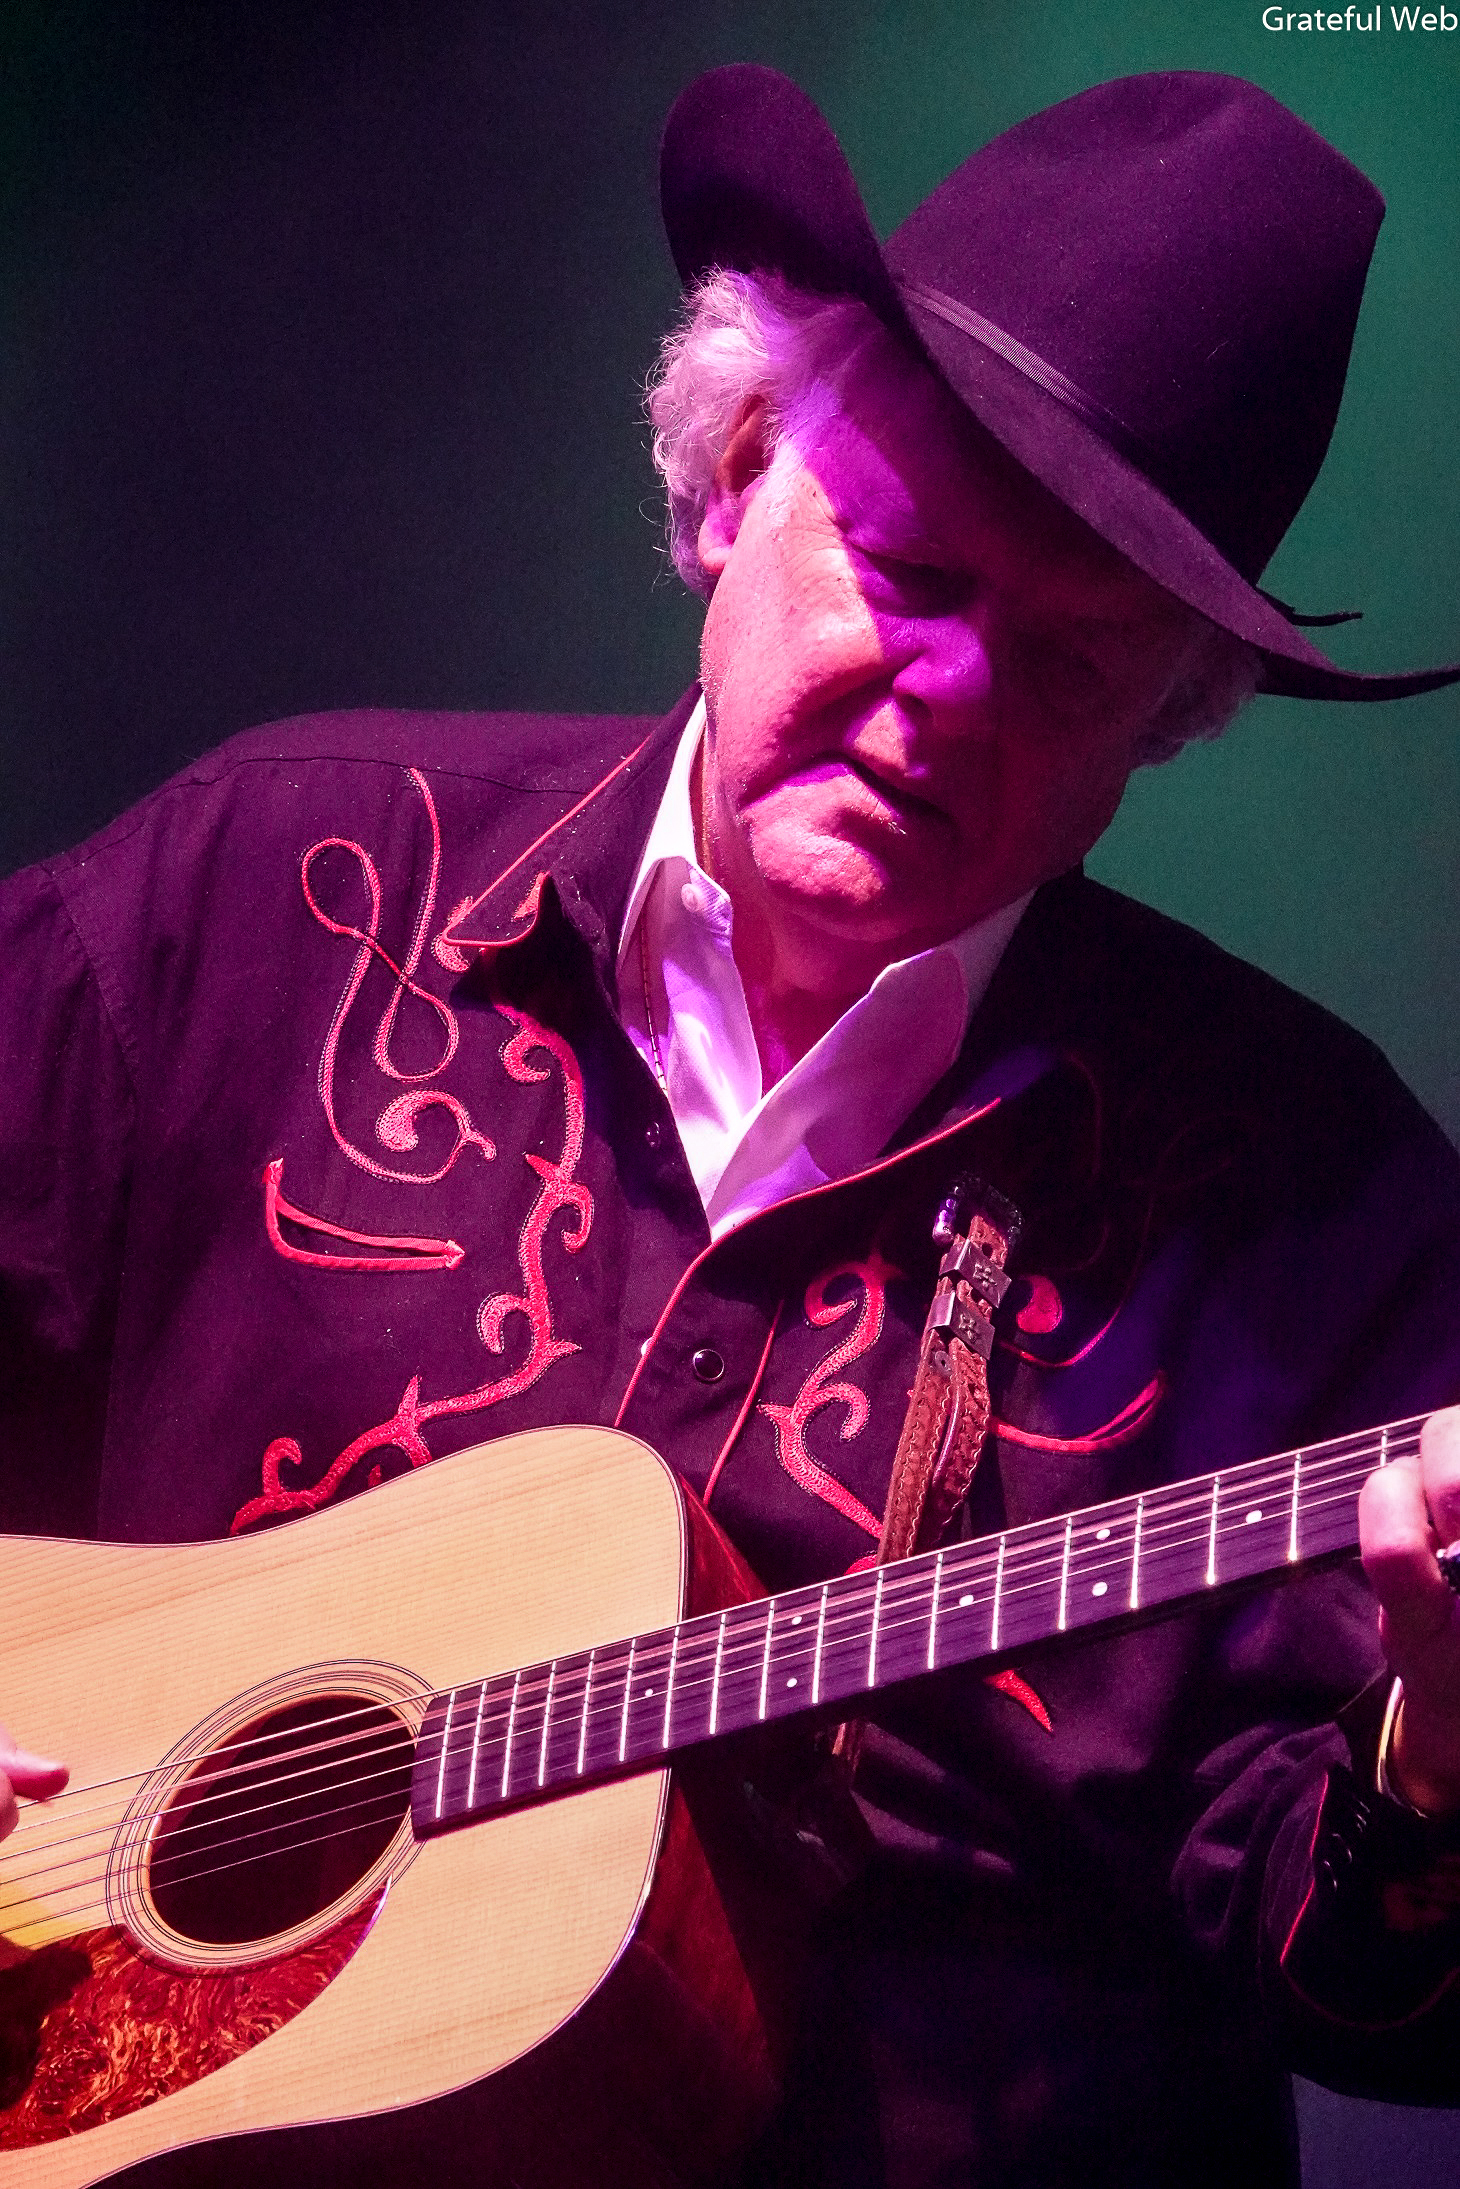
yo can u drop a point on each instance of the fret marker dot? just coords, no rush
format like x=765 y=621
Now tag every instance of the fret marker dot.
x=1255 y=1514
x=1099 y=1589
x=797 y=1620
x=1102 y=1535
x=647 y=1693
x=792 y=1681
x=964 y=1602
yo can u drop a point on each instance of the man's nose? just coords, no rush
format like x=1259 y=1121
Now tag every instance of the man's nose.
x=947 y=668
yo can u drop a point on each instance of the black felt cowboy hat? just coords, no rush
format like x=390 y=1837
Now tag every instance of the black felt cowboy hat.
x=1147 y=293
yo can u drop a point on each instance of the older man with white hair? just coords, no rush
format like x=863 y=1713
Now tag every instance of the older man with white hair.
x=771 y=1082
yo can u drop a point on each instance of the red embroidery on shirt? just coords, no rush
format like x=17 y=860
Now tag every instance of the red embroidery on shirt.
x=449 y=943
x=818 y=1390
x=446 y=953
x=396 y=1251
x=1120 y=1428
x=528 y=912
x=405 y=1431
x=396 y=1127
x=1018 y=1690
x=1043 y=1311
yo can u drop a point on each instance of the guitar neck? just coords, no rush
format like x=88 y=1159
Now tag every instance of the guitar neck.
x=520 y=1736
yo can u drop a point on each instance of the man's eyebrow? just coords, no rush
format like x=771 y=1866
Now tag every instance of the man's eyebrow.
x=878 y=522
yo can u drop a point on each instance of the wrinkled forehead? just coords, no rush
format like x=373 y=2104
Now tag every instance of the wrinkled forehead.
x=899 y=458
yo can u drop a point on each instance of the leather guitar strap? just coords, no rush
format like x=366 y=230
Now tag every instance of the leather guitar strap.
x=947 y=1421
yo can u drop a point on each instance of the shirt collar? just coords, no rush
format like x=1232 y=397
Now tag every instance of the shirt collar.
x=672 y=833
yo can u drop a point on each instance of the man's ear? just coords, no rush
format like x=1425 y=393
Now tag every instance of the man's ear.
x=740 y=470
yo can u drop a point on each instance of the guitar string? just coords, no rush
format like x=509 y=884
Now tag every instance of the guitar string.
x=312 y=1839
x=752 y=1644
x=1254 y=1475
x=1033 y=1559
x=41 y=1919
x=752 y=1652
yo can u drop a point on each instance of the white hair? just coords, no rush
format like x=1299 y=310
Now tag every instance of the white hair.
x=746 y=335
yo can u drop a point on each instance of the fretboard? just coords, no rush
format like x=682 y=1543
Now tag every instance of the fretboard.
x=520 y=1736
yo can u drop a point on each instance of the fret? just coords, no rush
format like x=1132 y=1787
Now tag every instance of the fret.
x=765 y=1657
x=1254 y=1533
x=1098 y=1544
x=601 y=1721
x=1176 y=1545
x=445 y=1747
x=876 y=1618
x=846 y=1647
x=430 y=1748
x=791 y=1663
x=476 y=1746
x=715 y=1676
x=511 y=1730
x=562 y=1724
x=669 y=1688
x=742 y=1665
x=1212 y=1534
x=473 y=1768
x=579 y=1717
x=529 y=1714
x=583 y=1715
x=646 y=1696
x=547 y=1719
x=964 y=1597
x=903 y=1626
x=1029 y=1603
x=699 y=1652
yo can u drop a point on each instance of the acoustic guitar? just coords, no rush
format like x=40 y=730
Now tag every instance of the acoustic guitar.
x=378 y=1804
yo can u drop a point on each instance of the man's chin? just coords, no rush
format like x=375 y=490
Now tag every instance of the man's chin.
x=855 y=904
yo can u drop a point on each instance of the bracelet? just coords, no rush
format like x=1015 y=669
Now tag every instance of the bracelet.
x=1382 y=1779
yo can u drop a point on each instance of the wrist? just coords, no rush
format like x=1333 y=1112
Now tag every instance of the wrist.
x=1418 y=1766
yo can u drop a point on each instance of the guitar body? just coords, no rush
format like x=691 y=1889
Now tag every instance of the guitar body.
x=596 y=1953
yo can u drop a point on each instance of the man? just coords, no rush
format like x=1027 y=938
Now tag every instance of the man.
x=654 y=1124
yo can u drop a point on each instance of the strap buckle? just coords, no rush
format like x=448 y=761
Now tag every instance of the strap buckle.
x=950 y=1317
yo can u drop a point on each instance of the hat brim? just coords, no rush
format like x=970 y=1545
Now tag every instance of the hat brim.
x=752 y=178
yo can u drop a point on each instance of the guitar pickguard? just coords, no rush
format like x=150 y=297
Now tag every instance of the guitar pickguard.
x=92 y=2028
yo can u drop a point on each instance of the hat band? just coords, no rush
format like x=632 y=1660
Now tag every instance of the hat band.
x=1034 y=367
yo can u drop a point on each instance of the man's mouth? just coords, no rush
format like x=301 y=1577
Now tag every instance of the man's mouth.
x=889 y=789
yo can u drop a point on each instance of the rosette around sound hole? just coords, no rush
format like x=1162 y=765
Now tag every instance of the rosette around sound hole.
x=281 y=1820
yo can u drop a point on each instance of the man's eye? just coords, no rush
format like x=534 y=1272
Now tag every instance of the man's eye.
x=1063 y=677
x=918 y=588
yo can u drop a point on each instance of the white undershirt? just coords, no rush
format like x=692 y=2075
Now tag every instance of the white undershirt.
x=837 y=1108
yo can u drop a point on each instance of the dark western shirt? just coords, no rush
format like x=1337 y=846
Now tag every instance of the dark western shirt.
x=323 y=1152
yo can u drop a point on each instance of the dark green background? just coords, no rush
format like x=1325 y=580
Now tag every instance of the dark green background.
x=322 y=325
x=239 y=484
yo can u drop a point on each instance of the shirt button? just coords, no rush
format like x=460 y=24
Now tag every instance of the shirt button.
x=707 y=1364
x=653 y=1133
x=692 y=897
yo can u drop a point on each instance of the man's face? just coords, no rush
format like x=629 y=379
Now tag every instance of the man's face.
x=925 y=678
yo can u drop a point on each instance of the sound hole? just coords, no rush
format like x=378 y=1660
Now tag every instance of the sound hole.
x=282 y=1820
